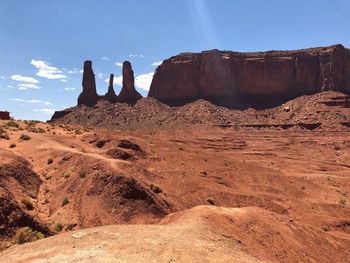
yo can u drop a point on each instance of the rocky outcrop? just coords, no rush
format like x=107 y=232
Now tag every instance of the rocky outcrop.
x=89 y=95
x=110 y=95
x=128 y=93
x=251 y=79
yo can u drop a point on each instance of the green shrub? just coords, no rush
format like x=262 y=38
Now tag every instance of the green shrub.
x=26 y=234
x=27 y=203
x=24 y=137
x=65 y=201
x=12 y=124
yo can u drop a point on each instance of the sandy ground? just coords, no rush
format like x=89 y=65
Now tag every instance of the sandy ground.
x=235 y=196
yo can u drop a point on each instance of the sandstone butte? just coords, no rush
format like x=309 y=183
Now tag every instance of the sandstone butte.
x=251 y=79
x=89 y=96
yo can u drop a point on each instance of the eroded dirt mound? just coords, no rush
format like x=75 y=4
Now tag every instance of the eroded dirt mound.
x=200 y=234
x=19 y=186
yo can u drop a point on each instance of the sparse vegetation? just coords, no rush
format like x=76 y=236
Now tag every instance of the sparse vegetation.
x=4 y=134
x=58 y=227
x=12 y=145
x=24 y=137
x=156 y=188
x=12 y=124
x=65 y=201
x=49 y=161
x=66 y=175
x=27 y=203
x=26 y=234
x=46 y=189
x=35 y=129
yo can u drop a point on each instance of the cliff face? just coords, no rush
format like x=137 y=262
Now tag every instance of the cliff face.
x=245 y=79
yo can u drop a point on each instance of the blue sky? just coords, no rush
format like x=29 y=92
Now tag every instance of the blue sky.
x=43 y=43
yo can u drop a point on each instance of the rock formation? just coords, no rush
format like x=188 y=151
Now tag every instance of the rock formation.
x=128 y=93
x=89 y=95
x=251 y=79
x=110 y=95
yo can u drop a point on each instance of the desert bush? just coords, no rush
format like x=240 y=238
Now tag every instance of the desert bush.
x=12 y=145
x=49 y=161
x=65 y=201
x=66 y=175
x=12 y=124
x=26 y=234
x=36 y=130
x=4 y=134
x=58 y=227
x=27 y=203
x=156 y=188
x=24 y=137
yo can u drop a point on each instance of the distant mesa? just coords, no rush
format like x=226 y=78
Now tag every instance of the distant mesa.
x=232 y=79
x=260 y=79
x=128 y=93
x=4 y=115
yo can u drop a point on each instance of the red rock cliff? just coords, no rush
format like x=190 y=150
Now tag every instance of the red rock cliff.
x=241 y=79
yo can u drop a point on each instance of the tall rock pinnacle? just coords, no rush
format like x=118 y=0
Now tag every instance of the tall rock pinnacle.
x=110 y=95
x=128 y=93
x=89 y=95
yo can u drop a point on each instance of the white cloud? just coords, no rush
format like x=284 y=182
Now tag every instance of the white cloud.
x=100 y=75
x=32 y=101
x=144 y=81
x=119 y=64
x=10 y=86
x=46 y=111
x=24 y=86
x=81 y=71
x=136 y=55
x=73 y=71
x=69 y=89
x=24 y=79
x=47 y=71
x=156 y=63
x=63 y=80
x=105 y=58
x=117 y=80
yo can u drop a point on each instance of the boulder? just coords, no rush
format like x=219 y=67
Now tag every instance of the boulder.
x=260 y=79
x=128 y=92
x=89 y=95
